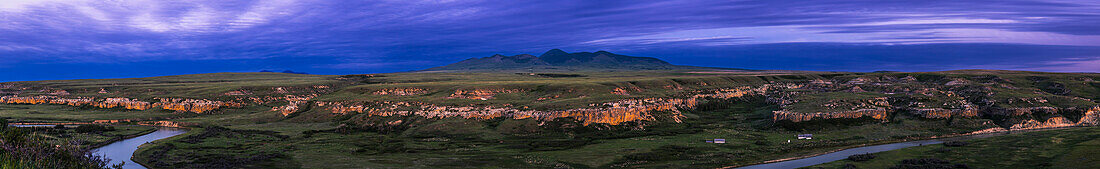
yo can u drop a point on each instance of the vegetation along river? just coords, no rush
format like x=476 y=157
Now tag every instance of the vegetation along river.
x=843 y=154
x=122 y=151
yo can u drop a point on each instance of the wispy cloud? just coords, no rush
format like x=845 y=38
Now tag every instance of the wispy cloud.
x=426 y=33
x=1069 y=65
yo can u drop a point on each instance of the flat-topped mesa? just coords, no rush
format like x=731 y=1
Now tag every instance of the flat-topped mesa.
x=877 y=114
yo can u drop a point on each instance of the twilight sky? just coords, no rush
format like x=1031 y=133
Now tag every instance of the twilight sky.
x=73 y=39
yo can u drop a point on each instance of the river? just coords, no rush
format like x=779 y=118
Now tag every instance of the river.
x=122 y=151
x=839 y=155
x=843 y=154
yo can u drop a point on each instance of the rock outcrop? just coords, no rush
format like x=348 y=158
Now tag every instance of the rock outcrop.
x=877 y=114
x=606 y=113
x=941 y=113
x=293 y=104
x=481 y=94
x=609 y=113
x=174 y=104
x=401 y=91
x=1053 y=122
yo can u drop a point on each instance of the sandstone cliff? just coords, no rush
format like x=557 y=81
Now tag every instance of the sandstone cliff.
x=174 y=104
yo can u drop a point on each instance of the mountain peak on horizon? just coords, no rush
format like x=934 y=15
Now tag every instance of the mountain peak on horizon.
x=560 y=60
x=553 y=52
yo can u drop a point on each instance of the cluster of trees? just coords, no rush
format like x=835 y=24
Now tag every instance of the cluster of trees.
x=22 y=149
x=861 y=157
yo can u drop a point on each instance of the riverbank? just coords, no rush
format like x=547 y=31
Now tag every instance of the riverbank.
x=116 y=132
x=124 y=150
x=953 y=137
x=1059 y=148
x=120 y=138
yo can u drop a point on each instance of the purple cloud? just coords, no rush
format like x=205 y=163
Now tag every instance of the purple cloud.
x=358 y=36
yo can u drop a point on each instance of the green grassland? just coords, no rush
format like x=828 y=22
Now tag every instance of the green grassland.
x=198 y=86
x=89 y=139
x=252 y=136
x=64 y=113
x=1069 y=148
x=508 y=143
x=568 y=92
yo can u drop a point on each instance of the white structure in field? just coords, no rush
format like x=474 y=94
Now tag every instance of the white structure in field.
x=805 y=136
x=717 y=141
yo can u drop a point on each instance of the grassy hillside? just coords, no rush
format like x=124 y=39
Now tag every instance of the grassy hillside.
x=24 y=149
x=201 y=86
x=444 y=120
x=1071 y=148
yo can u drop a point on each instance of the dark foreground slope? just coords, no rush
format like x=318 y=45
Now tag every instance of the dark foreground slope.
x=25 y=150
x=1069 y=148
x=627 y=119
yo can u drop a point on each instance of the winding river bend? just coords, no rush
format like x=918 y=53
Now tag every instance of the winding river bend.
x=122 y=151
x=840 y=155
x=843 y=154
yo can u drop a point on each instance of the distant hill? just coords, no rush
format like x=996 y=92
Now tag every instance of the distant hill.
x=285 y=71
x=556 y=59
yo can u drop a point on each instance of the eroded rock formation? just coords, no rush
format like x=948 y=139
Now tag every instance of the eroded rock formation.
x=293 y=104
x=401 y=91
x=175 y=104
x=481 y=94
x=780 y=115
x=1052 y=122
x=941 y=113
x=606 y=113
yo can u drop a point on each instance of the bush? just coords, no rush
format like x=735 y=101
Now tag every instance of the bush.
x=18 y=149
x=928 y=163
x=861 y=157
x=943 y=150
x=849 y=166
x=92 y=129
x=665 y=153
x=955 y=143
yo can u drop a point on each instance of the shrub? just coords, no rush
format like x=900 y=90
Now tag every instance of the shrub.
x=850 y=166
x=928 y=163
x=18 y=149
x=91 y=128
x=861 y=157
x=943 y=150
x=955 y=143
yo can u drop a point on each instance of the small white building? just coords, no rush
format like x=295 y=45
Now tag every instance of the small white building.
x=717 y=141
x=805 y=136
